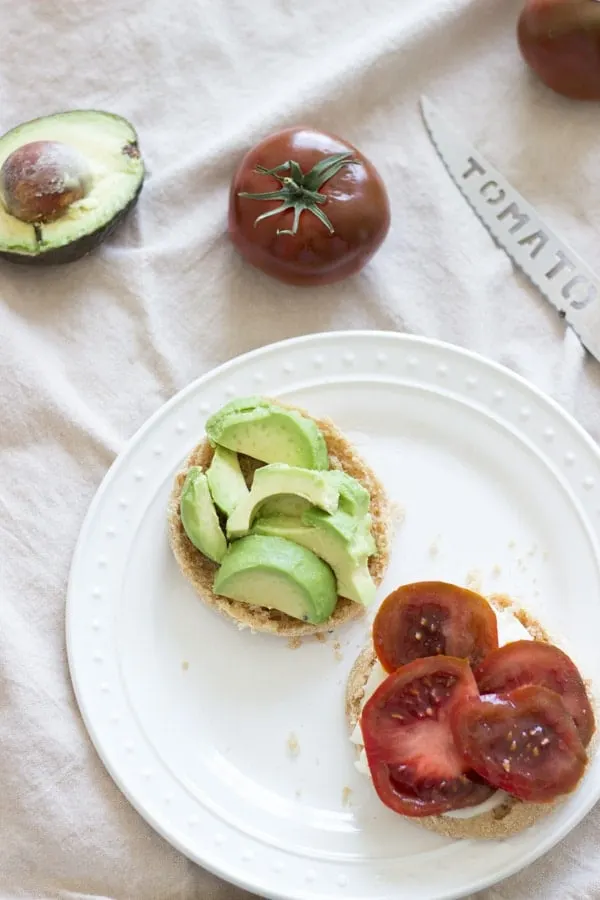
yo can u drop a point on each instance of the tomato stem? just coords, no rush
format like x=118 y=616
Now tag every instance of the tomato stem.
x=300 y=191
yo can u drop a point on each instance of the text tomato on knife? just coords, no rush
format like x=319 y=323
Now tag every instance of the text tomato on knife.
x=307 y=207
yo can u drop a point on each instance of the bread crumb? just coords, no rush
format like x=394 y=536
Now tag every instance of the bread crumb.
x=503 y=601
x=532 y=625
x=337 y=651
x=496 y=571
x=346 y=796
x=434 y=547
x=294 y=642
x=293 y=747
x=501 y=812
x=397 y=513
x=321 y=637
x=185 y=665
x=511 y=545
x=473 y=580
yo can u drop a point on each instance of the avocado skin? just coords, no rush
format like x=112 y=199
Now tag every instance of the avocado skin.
x=76 y=249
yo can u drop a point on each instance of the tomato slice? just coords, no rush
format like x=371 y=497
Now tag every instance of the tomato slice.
x=415 y=765
x=535 y=662
x=431 y=618
x=524 y=742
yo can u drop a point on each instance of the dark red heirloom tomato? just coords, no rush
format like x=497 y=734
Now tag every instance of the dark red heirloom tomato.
x=307 y=207
x=415 y=765
x=560 y=40
x=524 y=742
x=430 y=618
x=535 y=662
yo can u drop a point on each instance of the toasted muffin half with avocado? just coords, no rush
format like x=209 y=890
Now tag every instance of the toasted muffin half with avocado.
x=277 y=521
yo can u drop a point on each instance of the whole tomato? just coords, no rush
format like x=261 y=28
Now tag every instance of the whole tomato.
x=560 y=40
x=307 y=207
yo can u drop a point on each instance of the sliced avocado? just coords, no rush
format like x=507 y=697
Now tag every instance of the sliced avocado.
x=358 y=585
x=268 y=433
x=66 y=181
x=354 y=498
x=337 y=540
x=199 y=516
x=279 y=478
x=356 y=531
x=225 y=480
x=277 y=574
x=284 y=505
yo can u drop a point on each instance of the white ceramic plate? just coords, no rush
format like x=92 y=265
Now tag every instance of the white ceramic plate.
x=194 y=719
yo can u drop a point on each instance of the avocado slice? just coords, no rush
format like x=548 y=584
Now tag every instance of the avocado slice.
x=268 y=433
x=354 y=498
x=337 y=539
x=279 y=478
x=284 y=505
x=106 y=145
x=225 y=480
x=355 y=530
x=278 y=574
x=199 y=516
x=358 y=585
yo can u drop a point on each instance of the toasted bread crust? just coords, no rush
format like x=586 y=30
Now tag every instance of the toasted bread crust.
x=501 y=822
x=200 y=571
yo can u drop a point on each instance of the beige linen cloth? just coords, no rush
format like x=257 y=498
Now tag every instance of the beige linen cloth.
x=89 y=351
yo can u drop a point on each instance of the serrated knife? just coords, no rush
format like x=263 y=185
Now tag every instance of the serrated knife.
x=560 y=275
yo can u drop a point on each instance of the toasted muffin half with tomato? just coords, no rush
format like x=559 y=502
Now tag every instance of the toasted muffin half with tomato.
x=467 y=719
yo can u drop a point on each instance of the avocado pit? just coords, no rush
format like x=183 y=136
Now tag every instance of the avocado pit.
x=40 y=180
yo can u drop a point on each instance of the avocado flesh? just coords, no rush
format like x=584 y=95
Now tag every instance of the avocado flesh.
x=283 y=505
x=199 y=516
x=355 y=530
x=268 y=433
x=279 y=478
x=277 y=574
x=225 y=480
x=337 y=540
x=354 y=498
x=109 y=144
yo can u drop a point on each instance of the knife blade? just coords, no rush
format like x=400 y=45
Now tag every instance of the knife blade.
x=558 y=272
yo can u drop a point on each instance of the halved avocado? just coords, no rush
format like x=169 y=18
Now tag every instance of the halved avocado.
x=108 y=144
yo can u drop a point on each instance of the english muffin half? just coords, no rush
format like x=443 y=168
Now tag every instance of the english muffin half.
x=200 y=571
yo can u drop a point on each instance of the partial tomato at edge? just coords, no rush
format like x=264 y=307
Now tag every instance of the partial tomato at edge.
x=536 y=662
x=337 y=213
x=560 y=41
x=524 y=742
x=414 y=763
x=429 y=618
